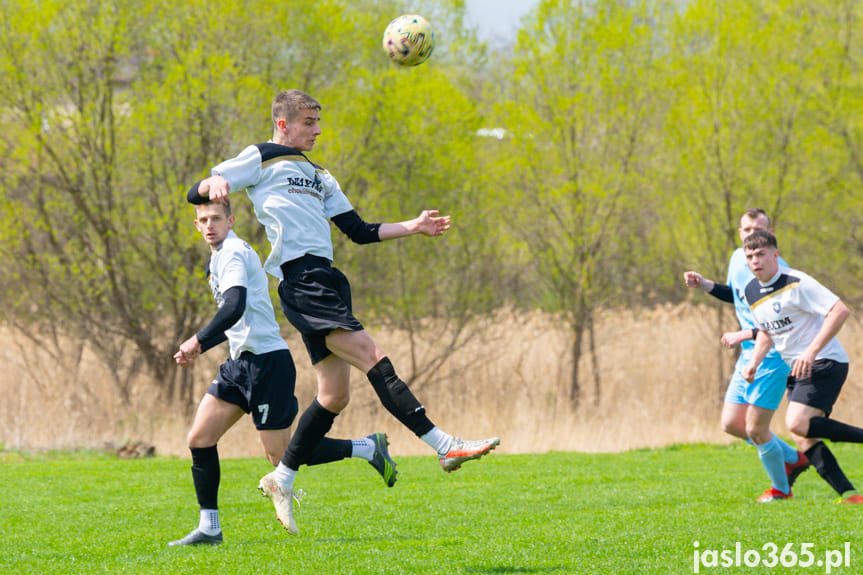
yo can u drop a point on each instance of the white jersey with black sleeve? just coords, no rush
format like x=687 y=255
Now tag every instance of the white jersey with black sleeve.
x=293 y=198
x=791 y=308
x=234 y=263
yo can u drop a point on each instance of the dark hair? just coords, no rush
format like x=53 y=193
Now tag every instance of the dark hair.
x=753 y=213
x=760 y=239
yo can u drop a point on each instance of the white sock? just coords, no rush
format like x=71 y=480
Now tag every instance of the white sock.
x=364 y=448
x=284 y=475
x=209 y=522
x=439 y=440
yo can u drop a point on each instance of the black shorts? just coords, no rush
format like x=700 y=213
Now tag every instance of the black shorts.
x=261 y=384
x=821 y=389
x=316 y=299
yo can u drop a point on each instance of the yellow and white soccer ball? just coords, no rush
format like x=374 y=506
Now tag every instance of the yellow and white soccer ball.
x=409 y=40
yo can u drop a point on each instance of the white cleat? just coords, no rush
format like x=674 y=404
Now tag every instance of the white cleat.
x=462 y=450
x=283 y=501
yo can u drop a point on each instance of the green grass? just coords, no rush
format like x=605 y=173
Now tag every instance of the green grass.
x=635 y=512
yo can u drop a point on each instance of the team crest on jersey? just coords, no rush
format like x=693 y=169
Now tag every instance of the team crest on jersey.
x=777 y=307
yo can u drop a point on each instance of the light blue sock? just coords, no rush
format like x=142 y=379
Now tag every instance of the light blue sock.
x=789 y=453
x=770 y=454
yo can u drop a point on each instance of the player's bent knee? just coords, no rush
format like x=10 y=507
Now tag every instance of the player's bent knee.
x=798 y=426
x=197 y=442
x=759 y=435
x=334 y=403
x=732 y=428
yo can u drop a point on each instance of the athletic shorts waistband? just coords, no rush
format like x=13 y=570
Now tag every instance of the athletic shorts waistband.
x=291 y=267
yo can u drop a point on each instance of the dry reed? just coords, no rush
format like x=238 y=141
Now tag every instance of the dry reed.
x=661 y=375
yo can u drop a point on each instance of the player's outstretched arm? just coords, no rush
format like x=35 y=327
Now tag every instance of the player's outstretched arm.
x=696 y=280
x=428 y=223
x=721 y=292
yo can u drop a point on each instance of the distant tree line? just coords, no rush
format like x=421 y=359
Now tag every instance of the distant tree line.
x=609 y=147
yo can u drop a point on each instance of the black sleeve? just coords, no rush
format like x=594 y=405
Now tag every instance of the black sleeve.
x=353 y=226
x=193 y=197
x=722 y=292
x=212 y=342
x=233 y=307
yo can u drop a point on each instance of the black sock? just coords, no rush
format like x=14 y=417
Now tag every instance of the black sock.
x=834 y=430
x=398 y=399
x=206 y=475
x=329 y=450
x=314 y=424
x=828 y=468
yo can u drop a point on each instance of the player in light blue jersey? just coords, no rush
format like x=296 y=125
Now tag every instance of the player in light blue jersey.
x=749 y=407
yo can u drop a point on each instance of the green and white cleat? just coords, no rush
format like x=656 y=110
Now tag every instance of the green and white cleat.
x=283 y=501
x=381 y=461
x=462 y=450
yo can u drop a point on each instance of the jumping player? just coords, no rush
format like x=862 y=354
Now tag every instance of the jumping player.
x=294 y=199
x=258 y=377
x=800 y=318
x=749 y=406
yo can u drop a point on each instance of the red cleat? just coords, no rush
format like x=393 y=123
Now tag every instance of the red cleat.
x=773 y=494
x=793 y=470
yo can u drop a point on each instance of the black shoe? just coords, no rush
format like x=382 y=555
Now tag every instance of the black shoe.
x=197 y=537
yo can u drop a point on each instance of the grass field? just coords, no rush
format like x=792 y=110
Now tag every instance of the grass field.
x=632 y=512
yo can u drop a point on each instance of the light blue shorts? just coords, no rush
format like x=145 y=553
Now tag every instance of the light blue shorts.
x=769 y=385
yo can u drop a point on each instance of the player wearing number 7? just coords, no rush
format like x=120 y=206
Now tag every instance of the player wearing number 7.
x=801 y=318
x=258 y=377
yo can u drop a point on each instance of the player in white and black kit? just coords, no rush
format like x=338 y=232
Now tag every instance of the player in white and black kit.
x=258 y=377
x=749 y=406
x=801 y=318
x=294 y=199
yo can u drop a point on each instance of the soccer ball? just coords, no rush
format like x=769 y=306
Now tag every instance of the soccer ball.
x=409 y=40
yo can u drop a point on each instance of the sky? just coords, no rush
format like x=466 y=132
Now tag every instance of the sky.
x=497 y=18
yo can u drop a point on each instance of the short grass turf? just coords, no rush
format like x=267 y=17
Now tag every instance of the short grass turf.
x=671 y=510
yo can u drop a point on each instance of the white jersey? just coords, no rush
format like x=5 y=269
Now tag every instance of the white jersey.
x=739 y=276
x=235 y=263
x=292 y=197
x=791 y=308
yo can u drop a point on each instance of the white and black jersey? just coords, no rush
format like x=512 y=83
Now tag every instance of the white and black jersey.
x=234 y=263
x=791 y=308
x=292 y=197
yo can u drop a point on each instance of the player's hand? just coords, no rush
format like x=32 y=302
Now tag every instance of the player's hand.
x=182 y=360
x=692 y=279
x=802 y=367
x=748 y=372
x=428 y=223
x=189 y=351
x=216 y=188
x=734 y=338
